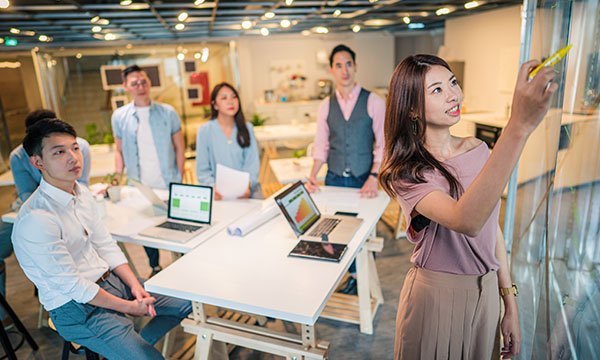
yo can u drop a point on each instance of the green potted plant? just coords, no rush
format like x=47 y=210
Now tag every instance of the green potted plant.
x=258 y=120
x=114 y=186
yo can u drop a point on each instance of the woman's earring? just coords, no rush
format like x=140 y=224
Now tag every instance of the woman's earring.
x=415 y=119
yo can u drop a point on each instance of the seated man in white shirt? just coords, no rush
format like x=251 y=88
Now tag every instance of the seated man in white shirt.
x=83 y=278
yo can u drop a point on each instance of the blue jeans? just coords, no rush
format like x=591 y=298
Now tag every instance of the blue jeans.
x=6 y=250
x=110 y=333
x=332 y=179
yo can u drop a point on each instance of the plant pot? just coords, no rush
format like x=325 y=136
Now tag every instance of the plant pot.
x=114 y=193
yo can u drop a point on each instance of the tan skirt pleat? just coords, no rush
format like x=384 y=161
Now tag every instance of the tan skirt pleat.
x=446 y=316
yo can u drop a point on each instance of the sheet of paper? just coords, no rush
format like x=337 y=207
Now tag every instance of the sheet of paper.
x=231 y=183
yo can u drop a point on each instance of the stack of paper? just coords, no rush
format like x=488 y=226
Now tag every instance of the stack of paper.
x=247 y=223
x=231 y=183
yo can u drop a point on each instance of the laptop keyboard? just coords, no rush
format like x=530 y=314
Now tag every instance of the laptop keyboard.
x=179 y=226
x=325 y=227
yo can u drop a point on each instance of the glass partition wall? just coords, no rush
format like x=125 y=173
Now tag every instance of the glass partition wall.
x=555 y=254
x=73 y=87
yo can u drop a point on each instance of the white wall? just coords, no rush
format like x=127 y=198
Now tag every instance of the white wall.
x=374 y=58
x=488 y=43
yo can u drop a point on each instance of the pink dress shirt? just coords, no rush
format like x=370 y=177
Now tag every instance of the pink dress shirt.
x=375 y=109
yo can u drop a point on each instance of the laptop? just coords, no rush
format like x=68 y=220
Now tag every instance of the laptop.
x=306 y=220
x=150 y=195
x=189 y=212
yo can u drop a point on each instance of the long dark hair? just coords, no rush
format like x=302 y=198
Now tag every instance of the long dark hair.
x=405 y=156
x=243 y=135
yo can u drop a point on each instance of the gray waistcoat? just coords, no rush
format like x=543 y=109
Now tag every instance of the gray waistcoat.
x=350 y=142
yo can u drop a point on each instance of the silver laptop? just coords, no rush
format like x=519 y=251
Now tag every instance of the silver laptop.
x=304 y=217
x=150 y=195
x=189 y=213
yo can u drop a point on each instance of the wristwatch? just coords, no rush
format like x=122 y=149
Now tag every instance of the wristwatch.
x=510 y=291
x=373 y=174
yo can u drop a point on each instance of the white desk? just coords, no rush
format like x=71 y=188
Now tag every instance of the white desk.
x=285 y=131
x=291 y=170
x=254 y=274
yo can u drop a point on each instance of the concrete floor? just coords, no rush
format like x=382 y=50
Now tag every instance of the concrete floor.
x=346 y=340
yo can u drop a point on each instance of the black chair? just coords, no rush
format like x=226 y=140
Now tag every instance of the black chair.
x=8 y=349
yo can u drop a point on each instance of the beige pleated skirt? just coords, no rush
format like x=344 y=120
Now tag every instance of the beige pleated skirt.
x=446 y=316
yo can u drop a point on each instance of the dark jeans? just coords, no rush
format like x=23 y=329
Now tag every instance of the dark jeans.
x=332 y=179
x=152 y=256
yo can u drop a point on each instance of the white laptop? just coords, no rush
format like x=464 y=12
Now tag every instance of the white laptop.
x=304 y=217
x=189 y=213
x=150 y=195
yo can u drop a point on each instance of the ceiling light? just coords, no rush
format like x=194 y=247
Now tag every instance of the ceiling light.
x=43 y=38
x=4 y=4
x=10 y=42
x=337 y=12
x=305 y=32
x=372 y=1
x=103 y=22
x=264 y=32
x=285 y=23
x=14 y=31
x=180 y=56
x=378 y=22
x=471 y=4
x=78 y=56
x=179 y=27
x=356 y=28
x=1 y=40
x=28 y=33
x=288 y=2
x=96 y=28
x=269 y=14
x=197 y=55
x=321 y=30
x=416 y=26
x=95 y=19
x=109 y=37
x=198 y=2
x=10 y=65
x=182 y=17
x=126 y=2
x=204 y=56
x=442 y=11
x=406 y=20
x=246 y=24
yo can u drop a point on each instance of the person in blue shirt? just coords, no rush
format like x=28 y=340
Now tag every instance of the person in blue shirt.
x=228 y=140
x=148 y=140
x=27 y=179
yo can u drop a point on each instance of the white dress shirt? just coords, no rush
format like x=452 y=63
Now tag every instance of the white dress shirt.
x=62 y=245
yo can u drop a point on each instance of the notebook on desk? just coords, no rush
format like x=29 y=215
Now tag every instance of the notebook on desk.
x=189 y=212
x=306 y=220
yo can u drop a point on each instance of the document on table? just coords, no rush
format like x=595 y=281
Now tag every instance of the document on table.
x=231 y=183
x=251 y=221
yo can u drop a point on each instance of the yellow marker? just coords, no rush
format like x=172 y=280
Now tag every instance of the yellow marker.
x=556 y=57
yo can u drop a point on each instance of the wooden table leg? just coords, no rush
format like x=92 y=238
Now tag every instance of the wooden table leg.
x=364 y=292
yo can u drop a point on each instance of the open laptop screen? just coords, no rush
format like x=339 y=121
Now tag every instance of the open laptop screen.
x=298 y=207
x=190 y=202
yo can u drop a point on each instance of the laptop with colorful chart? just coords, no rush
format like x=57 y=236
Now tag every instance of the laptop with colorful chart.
x=306 y=220
x=189 y=213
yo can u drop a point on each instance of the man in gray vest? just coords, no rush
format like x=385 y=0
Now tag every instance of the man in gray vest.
x=349 y=133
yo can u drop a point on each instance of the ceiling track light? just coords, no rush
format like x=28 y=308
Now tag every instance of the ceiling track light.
x=126 y=2
x=264 y=32
x=356 y=28
x=442 y=11
x=471 y=4
x=288 y=2
x=4 y=4
x=182 y=16
x=406 y=20
x=198 y=2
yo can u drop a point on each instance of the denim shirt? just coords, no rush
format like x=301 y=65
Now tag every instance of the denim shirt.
x=27 y=177
x=164 y=122
x=212 y=148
